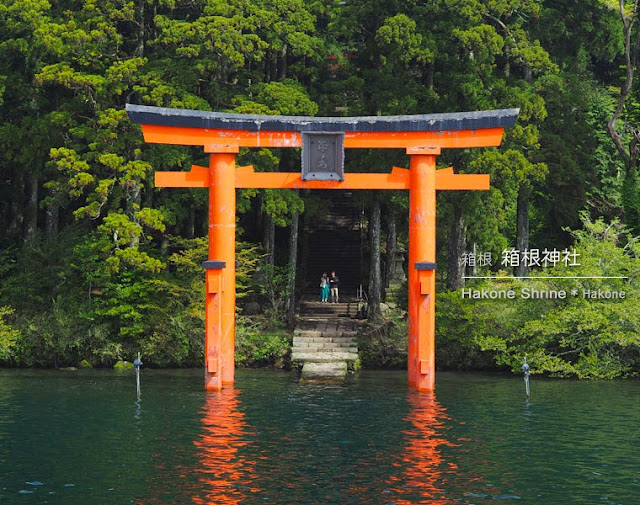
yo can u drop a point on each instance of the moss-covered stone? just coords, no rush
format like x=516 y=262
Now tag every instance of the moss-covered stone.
x=85 y=364
x=123 y=365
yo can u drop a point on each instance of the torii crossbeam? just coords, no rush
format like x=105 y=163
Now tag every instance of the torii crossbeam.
x=222 y=135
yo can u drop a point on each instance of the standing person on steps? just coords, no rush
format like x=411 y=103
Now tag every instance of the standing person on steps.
x=324 y=288
x=334 y=282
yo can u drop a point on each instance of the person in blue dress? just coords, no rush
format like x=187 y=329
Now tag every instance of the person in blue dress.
x=324 y=288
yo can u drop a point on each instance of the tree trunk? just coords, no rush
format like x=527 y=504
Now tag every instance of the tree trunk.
x=191 y=221
x=303 y=234
x=293 y=264
x=164 y=246
x=457 y=246
x=31 y=214
x=148 y=186
x=4 y=216
x=16 y=219
x=375 y=275
x=139 y=51
x=522 y=231
x=631 y=49
x=267 y=67
x=282 y=67
x=430 y=73
x=272 y=241
x=392 y=247
x=51 y=222
x=133 y=202
x=268 y=238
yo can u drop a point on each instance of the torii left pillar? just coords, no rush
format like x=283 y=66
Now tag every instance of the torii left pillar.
x=221 y=270
x=421 y=278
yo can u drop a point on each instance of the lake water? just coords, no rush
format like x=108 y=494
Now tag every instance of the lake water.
x=82 y=438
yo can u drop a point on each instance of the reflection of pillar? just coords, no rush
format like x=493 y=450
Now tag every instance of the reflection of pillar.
x=219 y=352
x=224 y=476
x=425 y=469
x=422 y=250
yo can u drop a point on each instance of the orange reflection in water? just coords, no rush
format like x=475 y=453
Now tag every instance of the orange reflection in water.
x=225 y=475
x=425 y=470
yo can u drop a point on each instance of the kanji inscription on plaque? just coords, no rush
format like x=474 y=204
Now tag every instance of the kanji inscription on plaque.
x=322 y=156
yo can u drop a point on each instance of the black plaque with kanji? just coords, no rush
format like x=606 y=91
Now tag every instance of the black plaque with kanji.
x=322 y=156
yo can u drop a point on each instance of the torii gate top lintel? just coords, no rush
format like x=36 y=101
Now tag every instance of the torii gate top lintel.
x=423 y=134
x=192 y=127
x=161 y=116
x=222 y=135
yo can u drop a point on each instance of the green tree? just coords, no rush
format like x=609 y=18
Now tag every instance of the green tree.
x=575 y=336
x=625 y=137
x=8 y=335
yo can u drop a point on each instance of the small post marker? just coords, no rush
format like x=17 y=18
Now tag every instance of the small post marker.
x=527 y=372
x=137 y=363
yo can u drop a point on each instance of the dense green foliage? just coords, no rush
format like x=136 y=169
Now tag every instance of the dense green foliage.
x=96 y=264
x=577 y=335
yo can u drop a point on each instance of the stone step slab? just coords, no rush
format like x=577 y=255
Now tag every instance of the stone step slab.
x=332 y=340
x=307 y=333
x=325 y=333
x=324 y=345
x=330 y=332
x=316 y=370
x=326 y=336
x=313 y=346
x=324 y=340
x=323 y=349
x=321 y=330
x=324 y=356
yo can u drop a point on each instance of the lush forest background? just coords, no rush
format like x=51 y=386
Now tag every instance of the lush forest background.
x=96 y=264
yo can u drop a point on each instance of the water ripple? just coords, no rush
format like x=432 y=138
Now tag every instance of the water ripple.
x=84 y=438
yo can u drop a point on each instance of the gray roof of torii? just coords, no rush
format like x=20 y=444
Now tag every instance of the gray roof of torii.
x=162 y=116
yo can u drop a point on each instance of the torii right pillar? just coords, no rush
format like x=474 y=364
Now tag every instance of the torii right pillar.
x=422 y=265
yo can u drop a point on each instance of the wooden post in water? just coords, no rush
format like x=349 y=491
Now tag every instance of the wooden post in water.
x=137 y=363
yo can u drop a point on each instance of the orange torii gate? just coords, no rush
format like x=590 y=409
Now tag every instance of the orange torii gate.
x=323 y=140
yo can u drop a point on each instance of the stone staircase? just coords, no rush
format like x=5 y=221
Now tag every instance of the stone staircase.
x=325 y=348
x=334 y=244
x=312 y=308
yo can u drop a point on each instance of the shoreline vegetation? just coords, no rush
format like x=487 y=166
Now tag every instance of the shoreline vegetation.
x=561 y=336
x=97 y=264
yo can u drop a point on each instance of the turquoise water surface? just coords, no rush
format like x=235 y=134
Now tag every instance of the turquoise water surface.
x=83 y=438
